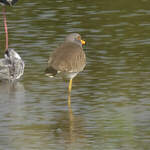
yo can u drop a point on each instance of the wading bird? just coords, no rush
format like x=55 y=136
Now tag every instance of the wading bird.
x=67 y=60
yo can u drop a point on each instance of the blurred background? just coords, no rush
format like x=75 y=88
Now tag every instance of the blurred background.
x=110 y=98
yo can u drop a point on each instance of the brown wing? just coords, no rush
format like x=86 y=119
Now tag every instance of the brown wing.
x=68 y=57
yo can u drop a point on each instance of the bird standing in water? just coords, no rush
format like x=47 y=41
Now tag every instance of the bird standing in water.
x=12 y=66
x=9 y=3
x=67 y=60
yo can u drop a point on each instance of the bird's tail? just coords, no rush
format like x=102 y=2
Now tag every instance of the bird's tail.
x=50 y=72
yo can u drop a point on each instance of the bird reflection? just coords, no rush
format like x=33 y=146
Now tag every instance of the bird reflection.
x=59 y=129
x=12 y=91
x=71 y=120
x=69 y=100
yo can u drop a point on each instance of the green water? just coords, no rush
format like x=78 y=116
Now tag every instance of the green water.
x=110 y=98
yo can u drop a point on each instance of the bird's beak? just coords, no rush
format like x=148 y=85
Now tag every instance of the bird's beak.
x=83 y=42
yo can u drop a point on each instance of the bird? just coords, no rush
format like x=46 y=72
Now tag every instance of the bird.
x=4 y=3
x=11 y=66
x=68 y=59
x=8 y=2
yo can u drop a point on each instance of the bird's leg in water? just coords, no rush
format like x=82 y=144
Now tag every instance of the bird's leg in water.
x=69 y=92
x=6 y=30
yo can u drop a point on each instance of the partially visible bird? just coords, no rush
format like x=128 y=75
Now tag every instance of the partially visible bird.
x=12 y=66
x=68 y=59
x=9 y=3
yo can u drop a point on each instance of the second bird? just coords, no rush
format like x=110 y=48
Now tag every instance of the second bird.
x=8 y=2
x=68 y=59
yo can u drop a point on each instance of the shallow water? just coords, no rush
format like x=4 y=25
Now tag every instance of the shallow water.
x=110 y=98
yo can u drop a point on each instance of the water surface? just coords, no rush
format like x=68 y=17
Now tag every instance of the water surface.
x=110 y=98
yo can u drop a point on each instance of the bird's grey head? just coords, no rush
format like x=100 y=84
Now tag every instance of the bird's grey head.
x=75 y=37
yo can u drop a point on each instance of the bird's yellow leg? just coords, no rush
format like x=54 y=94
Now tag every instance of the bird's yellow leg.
x=69 y=102
x=70 y=86
x=70 y=112
x=69 y=92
